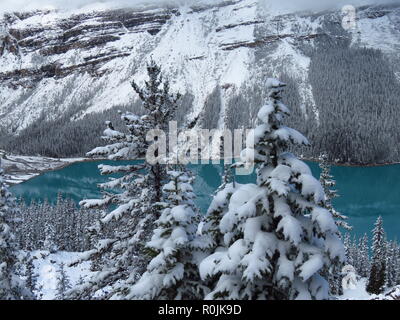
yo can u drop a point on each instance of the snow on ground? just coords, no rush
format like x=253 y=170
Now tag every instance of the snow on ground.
x=22 y=168
x=358 y=293
x=47 y=266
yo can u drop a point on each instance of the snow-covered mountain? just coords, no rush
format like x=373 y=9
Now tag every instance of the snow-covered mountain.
x=84 y=60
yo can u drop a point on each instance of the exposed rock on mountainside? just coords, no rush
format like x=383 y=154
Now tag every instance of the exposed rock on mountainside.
x=54 y=63
x=80 y=32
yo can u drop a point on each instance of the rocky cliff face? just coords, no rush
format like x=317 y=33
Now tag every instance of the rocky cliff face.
x=74 y=35
x=51 y=62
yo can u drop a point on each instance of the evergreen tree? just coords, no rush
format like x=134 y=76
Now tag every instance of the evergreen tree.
x=376 y=282
x=121 y=259
x=49 y=242
x=29 y=227
x=278 y=237
x=11 y=286
x=63 y=283
x=328 y=183
x=333 y=273
x=349 y=249
x=173 y=272
x=397 y=262
x=210 y=237
x=356 y=254
x=364 y=263
x=390 y=262
x=30 y=274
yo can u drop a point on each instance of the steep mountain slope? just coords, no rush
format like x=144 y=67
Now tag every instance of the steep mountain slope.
x=55 y=64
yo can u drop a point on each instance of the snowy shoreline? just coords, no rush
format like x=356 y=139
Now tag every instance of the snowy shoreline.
x=19 y=169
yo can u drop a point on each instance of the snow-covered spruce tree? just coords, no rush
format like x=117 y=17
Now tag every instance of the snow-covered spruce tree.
x=11 y=285
x=210 y=237
x=31 y=276
x=63 y=283
x=349 y=250
x=364 y=262
x=30 y=273
x=278 y=237
x=333 y=272
x=121 y=259
x=390 y=262
x=397 y=254
x=49 y=243
x=173 y=271
x=328 y=184
x=376 y=282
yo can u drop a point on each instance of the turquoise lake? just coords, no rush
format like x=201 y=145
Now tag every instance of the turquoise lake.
x=365 y=192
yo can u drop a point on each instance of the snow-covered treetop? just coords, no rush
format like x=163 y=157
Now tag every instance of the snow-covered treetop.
x=157 y=99
x=179 y=189
x=271 y=137
x=379 y=238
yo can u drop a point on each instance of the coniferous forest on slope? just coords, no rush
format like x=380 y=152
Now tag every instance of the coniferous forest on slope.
x=355 y=91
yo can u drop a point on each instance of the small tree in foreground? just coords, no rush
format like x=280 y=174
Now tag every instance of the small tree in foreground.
x=210 y=236
x=173 y=272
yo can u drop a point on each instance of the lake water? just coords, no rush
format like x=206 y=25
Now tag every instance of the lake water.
x=365 y=192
